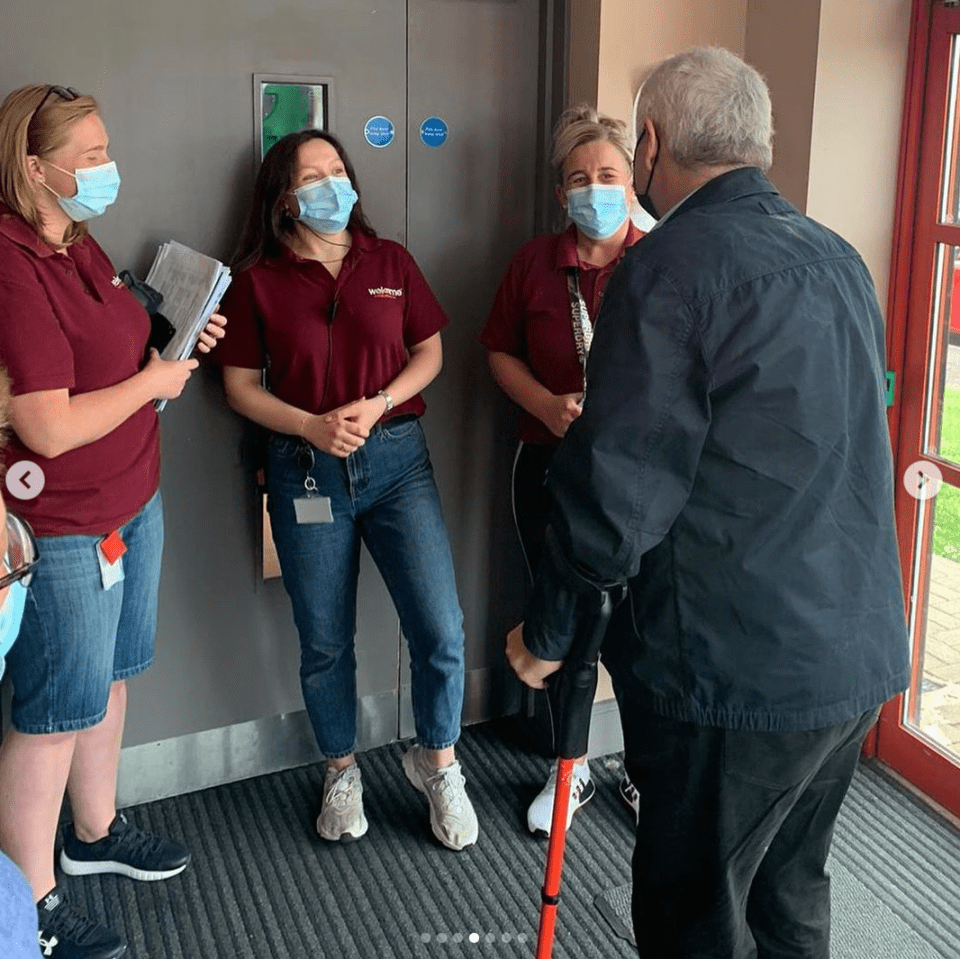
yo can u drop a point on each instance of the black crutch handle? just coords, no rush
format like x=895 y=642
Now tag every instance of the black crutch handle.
x=572 y=688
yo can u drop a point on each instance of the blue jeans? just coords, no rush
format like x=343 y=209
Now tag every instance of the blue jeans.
x=78 y=637
x=384 y=495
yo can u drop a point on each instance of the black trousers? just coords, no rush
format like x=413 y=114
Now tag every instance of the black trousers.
x=733 y=836
x=530 y=501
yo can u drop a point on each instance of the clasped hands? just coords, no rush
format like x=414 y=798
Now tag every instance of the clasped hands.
x=345 y=429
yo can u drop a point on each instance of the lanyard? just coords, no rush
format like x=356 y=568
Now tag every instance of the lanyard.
x=580 y=320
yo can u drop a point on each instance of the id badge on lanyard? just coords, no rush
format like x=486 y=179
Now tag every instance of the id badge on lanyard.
x=311 y=508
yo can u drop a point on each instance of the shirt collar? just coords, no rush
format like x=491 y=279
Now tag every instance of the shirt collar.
x=676 y=206
x=360 y=243
x=14 y=227
x=732 y=185
x=567 y=246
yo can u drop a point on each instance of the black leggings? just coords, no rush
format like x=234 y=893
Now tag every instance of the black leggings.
x=530 y=501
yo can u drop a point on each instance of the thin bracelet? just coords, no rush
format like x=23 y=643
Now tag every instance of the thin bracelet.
x=303 y=423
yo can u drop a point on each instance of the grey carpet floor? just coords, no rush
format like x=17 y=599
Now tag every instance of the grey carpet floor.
x=895 y=877
x=262 y=886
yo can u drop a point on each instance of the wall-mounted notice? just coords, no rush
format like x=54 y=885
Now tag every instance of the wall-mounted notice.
x=288 y=104
x=433 y=132
x=378 y=132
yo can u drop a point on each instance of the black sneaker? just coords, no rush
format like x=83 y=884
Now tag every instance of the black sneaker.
x=631 y=796
x=125 y=850
x=66 y=934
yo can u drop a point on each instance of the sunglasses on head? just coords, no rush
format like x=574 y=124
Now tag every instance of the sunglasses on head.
x=65 y=93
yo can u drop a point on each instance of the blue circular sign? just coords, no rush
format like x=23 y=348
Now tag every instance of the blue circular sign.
x=433 y=132
x=378 y=132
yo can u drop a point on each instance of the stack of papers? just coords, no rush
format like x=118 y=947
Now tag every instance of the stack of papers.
x=192 y=285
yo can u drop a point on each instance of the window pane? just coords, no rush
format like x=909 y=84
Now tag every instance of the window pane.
x=950 y=197
x=942 y=407
x=935 y=711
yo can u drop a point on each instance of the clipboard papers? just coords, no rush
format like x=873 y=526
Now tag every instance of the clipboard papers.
x=192 y=285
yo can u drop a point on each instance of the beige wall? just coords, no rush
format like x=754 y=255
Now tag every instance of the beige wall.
x=636 y=34
x=836 y=70
x=584 y=61
x=856 y=124
x=782 y=41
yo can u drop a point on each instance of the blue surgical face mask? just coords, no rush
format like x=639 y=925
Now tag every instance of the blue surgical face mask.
x=598 y=210
x=326 y=205
x=11 y=614
x=97 y=188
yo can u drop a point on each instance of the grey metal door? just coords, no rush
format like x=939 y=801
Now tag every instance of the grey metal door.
x=175 y=84
x=470 y=207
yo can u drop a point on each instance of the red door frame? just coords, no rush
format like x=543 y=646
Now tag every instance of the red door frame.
x=915 y=237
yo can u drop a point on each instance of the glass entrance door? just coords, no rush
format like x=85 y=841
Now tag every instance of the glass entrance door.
x=919 y=734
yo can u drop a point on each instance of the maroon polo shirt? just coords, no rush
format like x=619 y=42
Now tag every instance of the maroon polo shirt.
x=330 y=341
x=530 y=318
x=66 y=322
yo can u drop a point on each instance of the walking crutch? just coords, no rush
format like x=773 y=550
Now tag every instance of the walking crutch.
x=570 y=691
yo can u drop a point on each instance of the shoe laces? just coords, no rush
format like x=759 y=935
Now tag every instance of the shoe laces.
x=447 y=785
x=137 y=841
x=343 y=790
x=67 y=924
x=577 y=782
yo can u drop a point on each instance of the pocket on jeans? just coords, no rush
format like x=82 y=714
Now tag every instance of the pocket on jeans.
x=400 y=428
x=284 y=445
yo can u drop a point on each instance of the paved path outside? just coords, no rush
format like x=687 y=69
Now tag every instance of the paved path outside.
x=940 y=697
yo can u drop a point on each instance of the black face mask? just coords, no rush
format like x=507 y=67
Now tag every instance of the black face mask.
x=644 y=198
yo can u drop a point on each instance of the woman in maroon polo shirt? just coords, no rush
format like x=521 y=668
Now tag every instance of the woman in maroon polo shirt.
x=539 y=329
x=83 y=461
x=349 y=333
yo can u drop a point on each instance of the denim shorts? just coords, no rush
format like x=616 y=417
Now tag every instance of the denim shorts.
x=78 y=637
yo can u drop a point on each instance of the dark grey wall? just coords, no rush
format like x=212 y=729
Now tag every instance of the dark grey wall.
x=175 y=84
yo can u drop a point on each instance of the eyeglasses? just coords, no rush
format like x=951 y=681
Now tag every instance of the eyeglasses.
x=65 y=93
x=22 y=553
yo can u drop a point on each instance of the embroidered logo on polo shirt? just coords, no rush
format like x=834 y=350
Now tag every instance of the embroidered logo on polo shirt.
x=385 y=291
x=116 y=281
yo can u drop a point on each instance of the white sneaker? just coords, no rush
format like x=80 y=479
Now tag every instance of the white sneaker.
x=631 y=796
x=540 y=813
x=341 y=815
x=452 y=817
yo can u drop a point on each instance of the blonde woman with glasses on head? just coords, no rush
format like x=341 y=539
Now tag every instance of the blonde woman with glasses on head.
x=74 y=341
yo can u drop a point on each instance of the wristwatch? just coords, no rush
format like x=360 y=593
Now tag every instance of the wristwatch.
x=388 y=399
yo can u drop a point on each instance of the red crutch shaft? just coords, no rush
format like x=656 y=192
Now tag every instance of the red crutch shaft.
x=550 y=893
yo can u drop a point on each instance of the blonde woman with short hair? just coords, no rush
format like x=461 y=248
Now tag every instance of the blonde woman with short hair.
x=539 y=330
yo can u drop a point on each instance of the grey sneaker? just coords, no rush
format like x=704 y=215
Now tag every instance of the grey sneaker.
x=452 y=817
x=341 y=815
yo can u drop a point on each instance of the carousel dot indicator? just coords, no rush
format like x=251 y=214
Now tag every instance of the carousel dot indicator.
x=922 y=480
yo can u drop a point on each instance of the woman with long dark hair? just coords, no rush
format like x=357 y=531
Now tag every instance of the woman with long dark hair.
x=348 y=332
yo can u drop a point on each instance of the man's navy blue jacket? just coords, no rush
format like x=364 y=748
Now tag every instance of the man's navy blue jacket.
x=733 y=464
